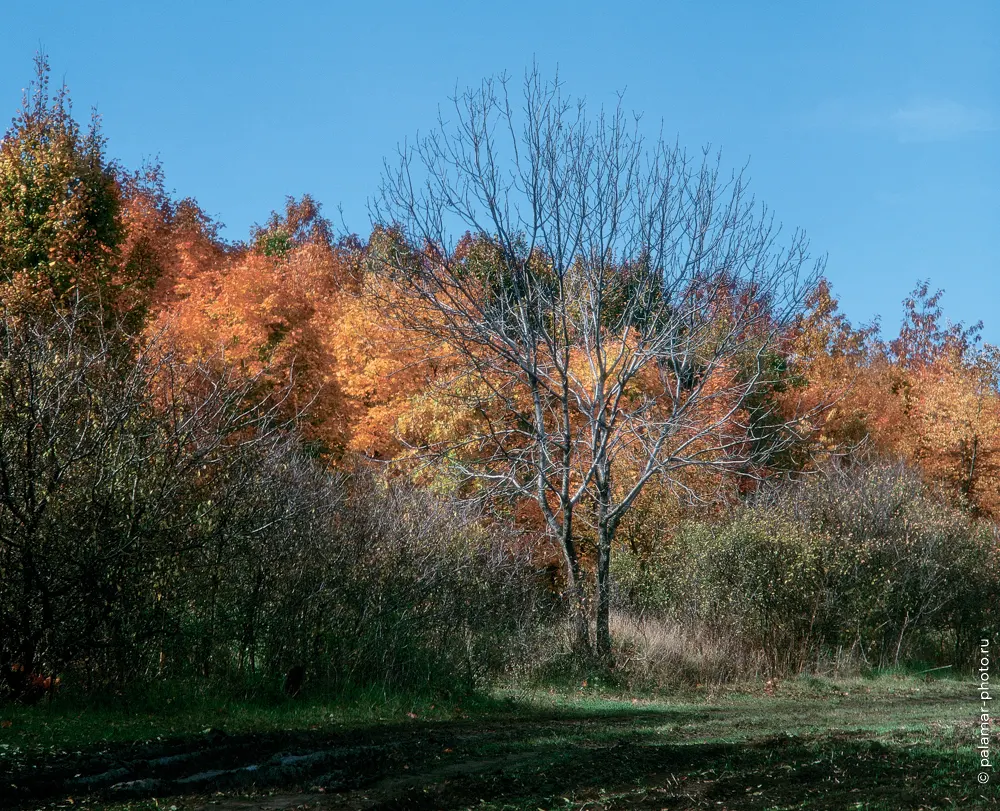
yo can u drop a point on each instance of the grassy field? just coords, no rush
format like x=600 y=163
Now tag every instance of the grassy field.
x=885 y=743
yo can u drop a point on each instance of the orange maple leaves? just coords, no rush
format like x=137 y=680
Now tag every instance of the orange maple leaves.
x=305 y=313
x=928 y=396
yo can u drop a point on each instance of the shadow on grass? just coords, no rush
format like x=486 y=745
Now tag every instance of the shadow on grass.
x=522 y=756
x=836 y=772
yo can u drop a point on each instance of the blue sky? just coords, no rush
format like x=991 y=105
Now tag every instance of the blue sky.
x=873 y=126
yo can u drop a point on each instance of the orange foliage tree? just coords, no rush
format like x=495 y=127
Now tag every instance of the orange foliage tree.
x=928 y=396
x=269 y=308
x=168 y=245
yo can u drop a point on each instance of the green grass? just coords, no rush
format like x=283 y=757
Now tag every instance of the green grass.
x=176 y=711
x=885 y=742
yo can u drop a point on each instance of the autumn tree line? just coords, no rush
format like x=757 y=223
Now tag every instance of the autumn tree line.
x=576 y=393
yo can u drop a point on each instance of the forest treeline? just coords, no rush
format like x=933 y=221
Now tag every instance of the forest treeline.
x=617 y=418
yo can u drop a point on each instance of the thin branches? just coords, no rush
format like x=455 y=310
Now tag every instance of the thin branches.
x=615 y=306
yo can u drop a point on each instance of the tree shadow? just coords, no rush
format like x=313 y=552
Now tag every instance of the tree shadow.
x=522 y=756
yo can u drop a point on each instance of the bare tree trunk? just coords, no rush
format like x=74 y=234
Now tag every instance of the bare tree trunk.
x=581 y=619
x=606 y=526
x=604 y=593
x=575 y=590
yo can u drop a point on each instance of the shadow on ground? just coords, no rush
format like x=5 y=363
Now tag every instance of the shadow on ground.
x=572 y=759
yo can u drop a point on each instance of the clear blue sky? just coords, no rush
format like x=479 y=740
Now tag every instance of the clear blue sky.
x=874 y=126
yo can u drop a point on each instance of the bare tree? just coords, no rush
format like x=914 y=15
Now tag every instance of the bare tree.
x=615 y=309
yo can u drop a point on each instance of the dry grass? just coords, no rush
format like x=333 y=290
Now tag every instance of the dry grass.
x=653 y=653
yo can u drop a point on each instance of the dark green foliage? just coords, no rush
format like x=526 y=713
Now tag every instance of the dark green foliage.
x=360 y=582
x=59 y=200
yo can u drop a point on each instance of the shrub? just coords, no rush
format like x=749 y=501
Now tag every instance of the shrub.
x=863 y=559
x=155 y=522
x=428 y=596
x=909 y=574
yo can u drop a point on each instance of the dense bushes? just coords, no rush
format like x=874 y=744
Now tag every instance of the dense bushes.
x=156 y=521
x=427 y=596
x=357 y=580
x=862 y=562
x=95 y=491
